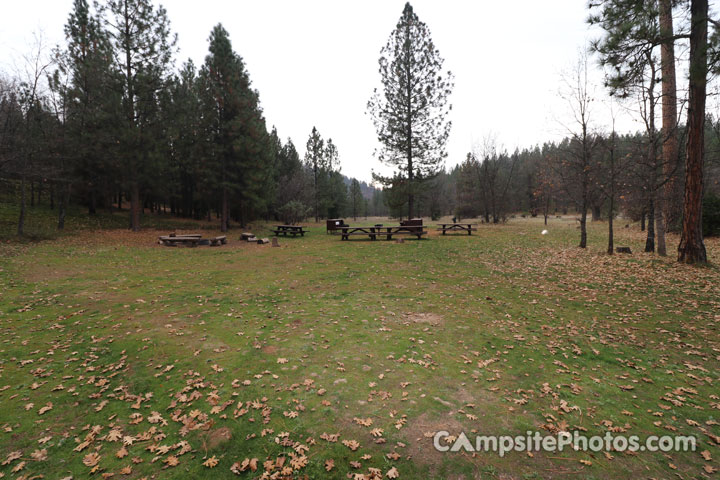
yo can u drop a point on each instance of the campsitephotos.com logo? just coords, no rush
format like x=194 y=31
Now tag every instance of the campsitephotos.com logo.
x=537 y=442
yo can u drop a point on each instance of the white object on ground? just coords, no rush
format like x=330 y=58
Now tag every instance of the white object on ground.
x=544 y=232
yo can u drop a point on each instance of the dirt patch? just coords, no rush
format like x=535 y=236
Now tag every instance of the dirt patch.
x=428 y=318
x=419 y=435
x=217 y=437
x=269 y=349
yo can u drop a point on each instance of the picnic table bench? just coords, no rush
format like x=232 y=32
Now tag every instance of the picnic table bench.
x=191 y=240
x=289 y=229
x=456 y=227
x=381 y=231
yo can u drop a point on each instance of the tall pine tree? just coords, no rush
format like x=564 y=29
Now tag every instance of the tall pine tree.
x=239 y=143
x=143 y=48
x=410 y=113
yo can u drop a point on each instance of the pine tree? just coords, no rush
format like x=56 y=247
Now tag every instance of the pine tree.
x=315 y=162
x=238 y=143
x=90 y=103
x=356 y=198
x=143 y=48
x=410 y=113
x=692 y=248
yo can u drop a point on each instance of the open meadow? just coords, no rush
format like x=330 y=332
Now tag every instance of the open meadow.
x=327 y=359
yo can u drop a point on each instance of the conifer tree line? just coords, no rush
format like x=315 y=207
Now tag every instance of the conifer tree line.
x=108 y=122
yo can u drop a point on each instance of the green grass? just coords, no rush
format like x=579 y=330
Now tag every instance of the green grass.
x=513 y=326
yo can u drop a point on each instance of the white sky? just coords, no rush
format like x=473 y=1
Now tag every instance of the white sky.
x=315 y=62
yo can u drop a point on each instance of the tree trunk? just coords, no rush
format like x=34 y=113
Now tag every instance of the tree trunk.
x=32 y=193
x=583 y=228
x=52 y=196
x=611 y=239
x=660 y=224
x=642 y=221
x=650 y=242
x=135 y=206
x=21 y=219
x=669 y=118
x=584 y=209
x=61 y=209
x=691 y=248
x=611 y=207
x=225 y=220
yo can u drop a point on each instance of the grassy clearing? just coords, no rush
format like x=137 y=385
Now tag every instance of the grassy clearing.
x=122 y=357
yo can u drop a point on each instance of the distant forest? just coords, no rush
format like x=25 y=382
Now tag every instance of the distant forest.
x=106 y=122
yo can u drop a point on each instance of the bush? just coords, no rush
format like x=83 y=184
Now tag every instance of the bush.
x=293 y=212
x=711 y=215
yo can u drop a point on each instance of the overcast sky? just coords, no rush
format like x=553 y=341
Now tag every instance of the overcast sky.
x=315 y=62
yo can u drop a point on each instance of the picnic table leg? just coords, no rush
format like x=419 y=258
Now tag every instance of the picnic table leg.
x=469 y=230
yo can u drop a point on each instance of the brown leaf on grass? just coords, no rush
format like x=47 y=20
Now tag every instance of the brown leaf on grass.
x=706 y=455
x=351 y=444
x=211 y=462
x=329 y=464
x=328 y=437
x=126 y=470
x=91 y=459
x=121 y=453
x=113 y=435
x=392 y=473
x=298 y=463
x=81 y=446
x=365 y=422
x=246 y=464
x=12 y=456
x=48 y=406
x=39 y=455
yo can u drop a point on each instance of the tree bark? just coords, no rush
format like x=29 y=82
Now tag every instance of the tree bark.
x=224 y=219
x=669 y=118
x=642 y=221
x=135 y=206
x=21 y=219
x=650 y=241
x=692 y=249
x=61 y=208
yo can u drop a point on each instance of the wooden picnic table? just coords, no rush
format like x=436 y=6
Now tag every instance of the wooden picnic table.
x=289 y=229
x=457 y=227
x=191 y=240
x=381 y=231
